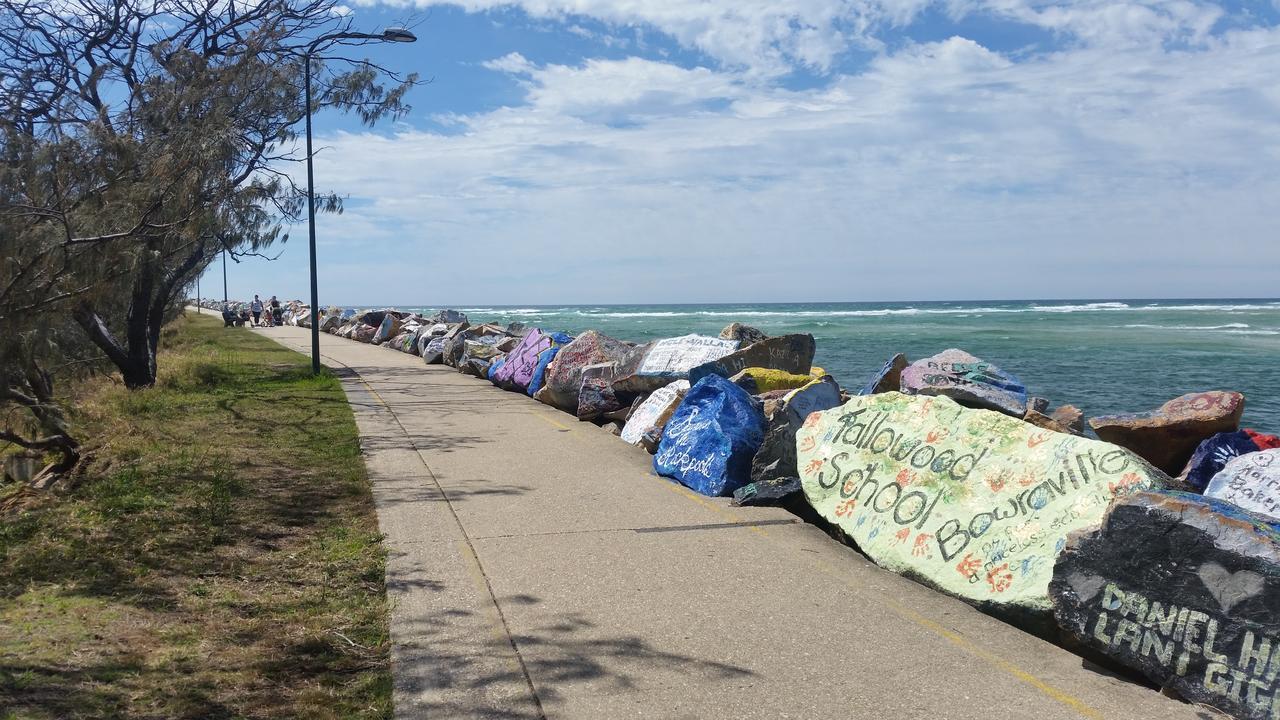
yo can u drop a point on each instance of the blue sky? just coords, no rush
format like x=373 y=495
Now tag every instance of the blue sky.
x=609 y=151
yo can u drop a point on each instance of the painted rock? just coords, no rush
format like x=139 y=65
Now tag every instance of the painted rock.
x=538 y=378
x=744 y=334
x=972 y=502
x=1250 y=481
x=1213 y=454
x=433 y=352
x=517 y=371
x=387 y=329
x=564 y=376
x=709 y=441
x=364 y=333
x=1184 y=589
x=1070 y=417
x=763 y=380
x=1166 y=437
x=967 y=380
x=644 y=427
x=767 y=492
x=595 y=395
x=655 y=364
x=1262 y=440
x=776 y=457
x=889 y=378
x=792 y=353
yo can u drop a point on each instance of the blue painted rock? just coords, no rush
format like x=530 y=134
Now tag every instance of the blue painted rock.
x=1213 y=454
x=1184 y=589
x=710 y=440
x=1251 y=482
x=1167 y=436
x=792 y=353
x=972 y=502
x=889 y=379
x=968 y=380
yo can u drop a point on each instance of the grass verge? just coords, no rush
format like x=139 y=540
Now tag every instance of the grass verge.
x=219 y=559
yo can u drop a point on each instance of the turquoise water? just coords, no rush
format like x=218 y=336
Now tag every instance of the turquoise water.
x=1102 y=356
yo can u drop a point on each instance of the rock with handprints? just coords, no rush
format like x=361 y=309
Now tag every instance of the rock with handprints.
x=776 y=457
x=710 y=440
x=650 y=366
x=791 y=353
x=972 y=502
x=968 y=380
x=1185 y=590
x=1250 y=481
x=889 y=377
x=744 y=334
x=762 y=380
x=1212 y=454
x=564 y=375
x=1070 y=417
x=646 y=422
x=1168 y=435
x=1263 y=440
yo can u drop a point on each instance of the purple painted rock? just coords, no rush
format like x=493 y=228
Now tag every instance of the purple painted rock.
x=792 y=353
x=1250 y=481
x=1167 y=437
x=1184 y=589
x=968 y=380
x=516 y=373
x=889 y=379
x=563 y=378
x=1213 y=454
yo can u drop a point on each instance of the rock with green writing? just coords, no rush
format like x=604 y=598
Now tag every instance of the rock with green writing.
x=972 y=502
x=1186 y=590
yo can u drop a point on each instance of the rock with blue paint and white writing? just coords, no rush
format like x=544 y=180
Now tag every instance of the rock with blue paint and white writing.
x=1186 y=590
x=972 y=502
x=710 y=440
x=1250 y=481
x=968 y=380
x=1213 y=454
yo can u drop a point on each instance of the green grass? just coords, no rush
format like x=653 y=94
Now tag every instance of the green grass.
x=219 y=559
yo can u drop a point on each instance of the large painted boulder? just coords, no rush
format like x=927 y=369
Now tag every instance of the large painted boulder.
x=644 y=427
x=596 y=396
x=389 y=328
x=564 y=376
x=538 y=379
x=889 y=378
x=792 y=353
x=1250 y=481
x=1184 y=589
x=433 y=351
x=655 y=364
x=776 y=457
x=517 y=371
x=1213 y=454
x=1168 y=435
x=364 y=333
x=710 y=440
x=972 y=502
x=763 y=380
x=968 y=380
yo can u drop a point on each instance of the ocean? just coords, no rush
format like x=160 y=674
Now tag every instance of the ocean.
x=1103 y=356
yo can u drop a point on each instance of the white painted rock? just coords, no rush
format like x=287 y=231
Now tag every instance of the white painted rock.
x=1250 y=481
x=973 y=502
x=645 y=425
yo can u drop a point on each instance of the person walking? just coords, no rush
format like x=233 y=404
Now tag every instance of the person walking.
x=275 y=310
x=256 y=308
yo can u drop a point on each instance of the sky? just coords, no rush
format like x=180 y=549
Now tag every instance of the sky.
x=654 y=151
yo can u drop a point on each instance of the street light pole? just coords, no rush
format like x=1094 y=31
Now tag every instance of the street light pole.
x=389 y=35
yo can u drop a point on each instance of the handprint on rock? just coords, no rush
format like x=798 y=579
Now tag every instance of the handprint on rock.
x=1000 y=578
x=921 y=546
x=901 y=536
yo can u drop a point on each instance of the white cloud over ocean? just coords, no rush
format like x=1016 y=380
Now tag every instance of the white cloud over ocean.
x=1137 y=154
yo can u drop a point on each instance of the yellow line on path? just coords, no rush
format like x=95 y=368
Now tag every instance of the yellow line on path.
x=552 y=421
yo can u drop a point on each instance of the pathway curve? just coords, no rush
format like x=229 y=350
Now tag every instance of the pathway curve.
x=539 y=569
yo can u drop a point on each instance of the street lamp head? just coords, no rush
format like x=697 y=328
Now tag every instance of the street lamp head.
x=398 y=34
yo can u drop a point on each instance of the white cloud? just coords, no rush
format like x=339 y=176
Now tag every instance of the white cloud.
x=946 y=163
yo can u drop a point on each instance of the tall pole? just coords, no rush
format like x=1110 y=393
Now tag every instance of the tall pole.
x=198 y=298
x=224 y=277
x=311 y=223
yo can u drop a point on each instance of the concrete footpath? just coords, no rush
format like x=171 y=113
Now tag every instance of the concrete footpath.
x=539 y=569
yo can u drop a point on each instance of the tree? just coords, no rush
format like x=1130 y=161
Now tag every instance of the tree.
x=143 y=137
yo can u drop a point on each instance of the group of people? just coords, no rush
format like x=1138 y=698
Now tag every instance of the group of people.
x=265 y=315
